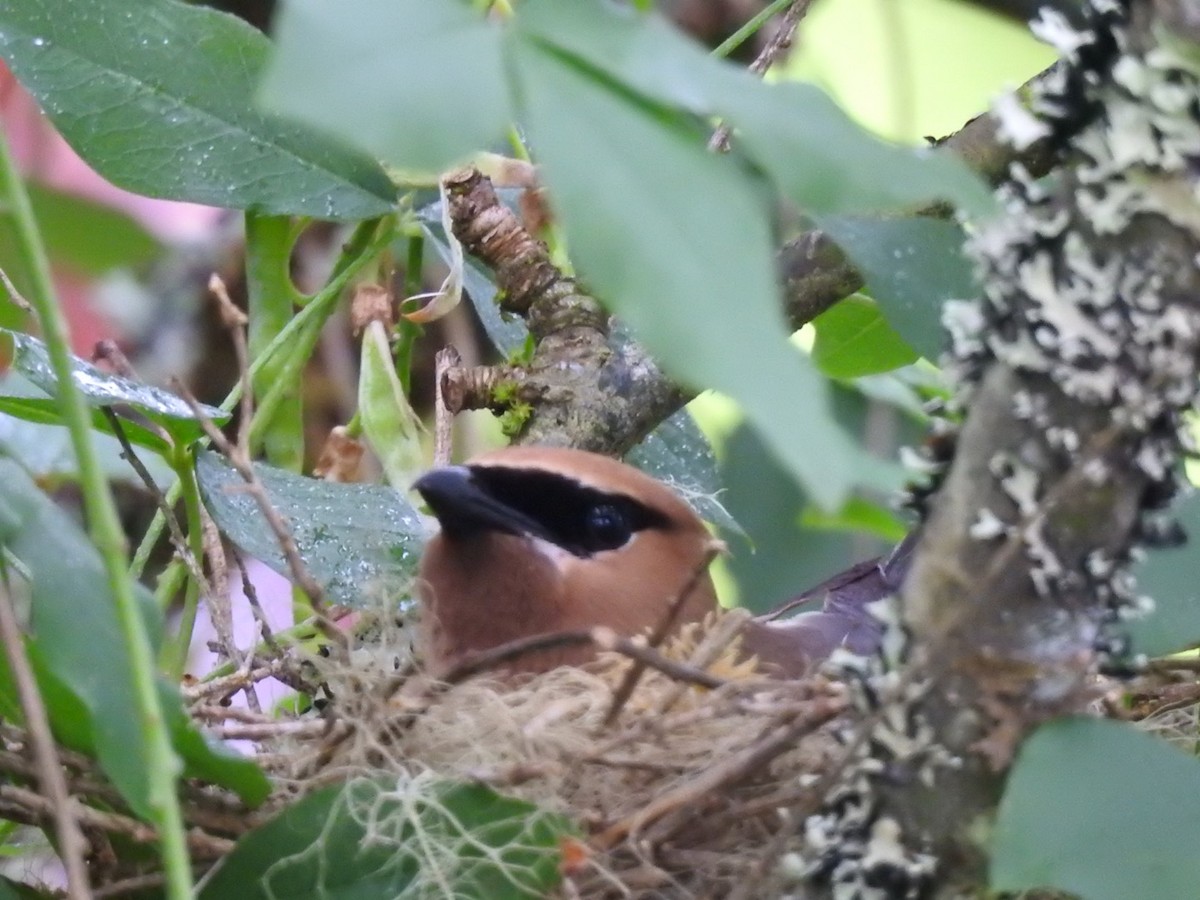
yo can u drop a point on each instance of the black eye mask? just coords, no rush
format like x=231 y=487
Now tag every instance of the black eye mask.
x=582 y=520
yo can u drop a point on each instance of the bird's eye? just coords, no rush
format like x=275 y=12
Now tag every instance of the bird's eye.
x=607 y=527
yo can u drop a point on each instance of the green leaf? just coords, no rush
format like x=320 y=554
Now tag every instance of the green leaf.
x=1101 y=810
x=385 y=837
x=418 y=83
x=359 y=541
x=78 y=637
x=388 y=419
x=765 y=500
x=827 y=163
x=858 y=516
x=678 y=453
x=78 y=649
x=87 y=236
x=912 y=266
x=156 y=96
x=45 y=411
x=854 y=339
x=1169 y=577
x=812 y=151
x=45 y=451
x=103 y=389
x=701 y=298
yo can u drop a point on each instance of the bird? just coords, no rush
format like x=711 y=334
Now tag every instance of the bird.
x=538 y=540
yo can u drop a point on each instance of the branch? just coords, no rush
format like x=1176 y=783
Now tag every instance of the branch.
x=587 y=391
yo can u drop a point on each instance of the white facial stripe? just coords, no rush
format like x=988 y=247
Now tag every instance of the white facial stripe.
x=560 y=558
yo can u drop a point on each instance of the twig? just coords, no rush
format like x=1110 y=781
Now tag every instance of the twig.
x=443 y=422
x=1174 y=664
x=265 y=731
x=220 y=606
x=235 y=322
x=203 y=808
x=727 y=630
x=287 y=544
x=251 y=593
x=625 y=690
x=225 y=685
x=72 y=847
x=725 y=772
x=31 y=808
x=14 y=296
x=135 y=885
x=129 y=454
x=496 y=656
x=776 y=46
x=607 y=639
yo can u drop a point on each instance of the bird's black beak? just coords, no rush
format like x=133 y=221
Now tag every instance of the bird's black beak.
x=464 y=507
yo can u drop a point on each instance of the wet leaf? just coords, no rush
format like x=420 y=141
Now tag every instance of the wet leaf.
x=416 y=83
x=102 y=389
x=361 y=542
x=616 y=171
x=385 y=838
x=678 y=453
x=912 y=266
x=156 y=96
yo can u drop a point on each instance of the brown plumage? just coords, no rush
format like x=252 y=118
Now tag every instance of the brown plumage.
x=537 y=540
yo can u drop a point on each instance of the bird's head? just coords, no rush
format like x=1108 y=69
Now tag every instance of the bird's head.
x=536 y=540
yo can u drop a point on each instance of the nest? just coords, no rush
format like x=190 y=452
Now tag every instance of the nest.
x=681 y=789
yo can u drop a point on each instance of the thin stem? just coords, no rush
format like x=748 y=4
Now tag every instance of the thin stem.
x=191 y=600
x=369 y=239
x=105 y=528
x=744 y=33
x=72 y=846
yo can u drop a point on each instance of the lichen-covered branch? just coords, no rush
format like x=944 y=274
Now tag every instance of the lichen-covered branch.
x=1075 y=372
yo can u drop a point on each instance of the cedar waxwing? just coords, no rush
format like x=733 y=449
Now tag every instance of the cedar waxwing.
x=537 y=540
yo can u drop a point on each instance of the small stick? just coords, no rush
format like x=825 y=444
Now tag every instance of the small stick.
x=265 y=731
x=443 y=423
x=283 y=535
x=625 y=690
x=235 y=322
x=251 y=592
x=14 y=296
x=220 y=605
x=72 y=846
x=607 y=639
x=780 y=41
x=728 y=771
x=495 y=656
x=127 y=886
x=129 y=454
x=726 y=631
x=31 y=808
